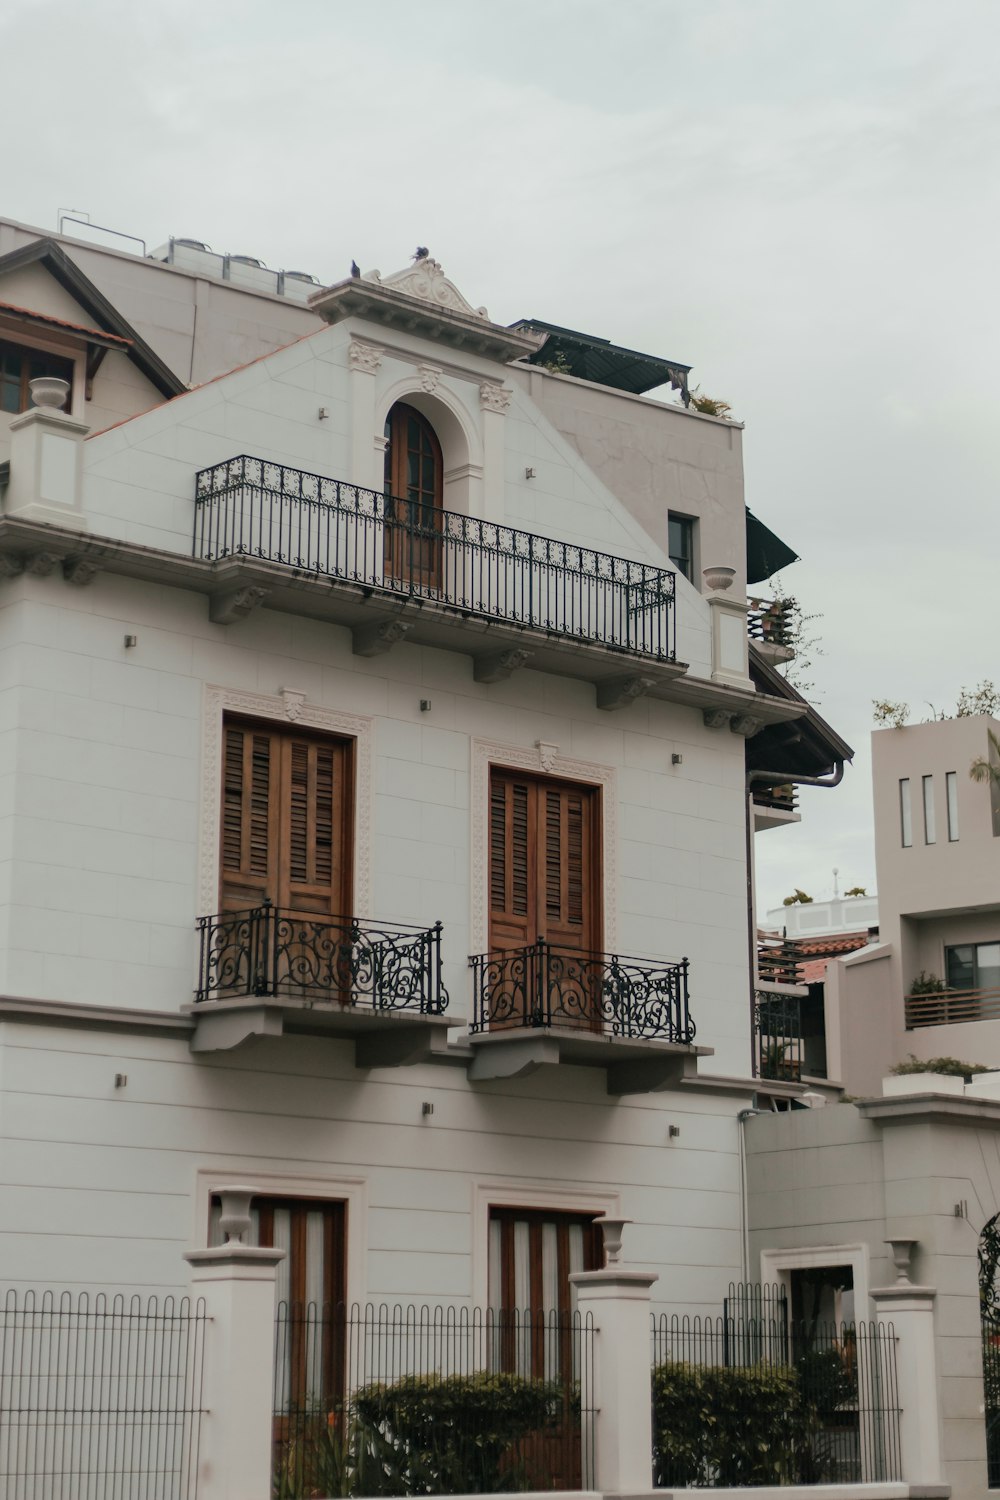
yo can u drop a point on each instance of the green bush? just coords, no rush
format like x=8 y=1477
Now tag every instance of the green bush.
x=449 y=1435
x=718 y=1427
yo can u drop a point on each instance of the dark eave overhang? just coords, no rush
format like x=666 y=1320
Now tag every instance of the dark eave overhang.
x=360 y=297
x=600 y=361
x=806 y=746
x=67 y=273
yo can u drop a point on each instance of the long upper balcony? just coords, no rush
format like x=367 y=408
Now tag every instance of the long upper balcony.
x=402 y=550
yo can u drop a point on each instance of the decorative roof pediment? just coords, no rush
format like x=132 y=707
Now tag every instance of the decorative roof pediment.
x=422 y=299
x=426 y=280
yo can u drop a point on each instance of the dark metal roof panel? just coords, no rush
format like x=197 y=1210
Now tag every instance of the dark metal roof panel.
x=600 y=361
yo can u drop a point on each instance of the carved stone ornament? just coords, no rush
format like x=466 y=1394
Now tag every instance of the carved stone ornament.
x=746 y=725
x=41 y=564
x=619 y=692
x=364 y=356
x=11 y=567
x=716 y=718
x=493 y=397
x=429 y=377
x=548 y=754
x=80 y=571
x=427 y=281
x=235 y=604
x=294 y=702
x=497 y=666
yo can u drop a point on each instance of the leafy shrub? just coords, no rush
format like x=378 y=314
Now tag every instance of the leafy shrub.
x=715 y=1426
x=952 y=1066
x=449 y=1435
x=928 y=984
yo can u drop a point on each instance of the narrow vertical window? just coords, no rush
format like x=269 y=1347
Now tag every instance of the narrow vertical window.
x=905 y=813
x=951 y=788
x=930 y=834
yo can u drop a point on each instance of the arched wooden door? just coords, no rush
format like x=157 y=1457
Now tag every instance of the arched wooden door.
x=414 y=494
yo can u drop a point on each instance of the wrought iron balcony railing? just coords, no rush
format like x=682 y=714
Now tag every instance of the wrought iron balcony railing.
x=545 y=985
x=249 y=508
x=338 y=960
x=777 y=1036
x=778 y=961
x=946 y=1007
x=773 y=621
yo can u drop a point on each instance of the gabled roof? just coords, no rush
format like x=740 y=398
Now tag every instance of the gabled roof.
x=806 y=746
x=67 y=273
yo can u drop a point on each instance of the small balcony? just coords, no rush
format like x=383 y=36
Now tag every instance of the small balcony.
x=775 y=806
x=265 y=972
x=398 y=551
x=773 y=626
x=549 y=1003
x=777 y=1037
x=778 y=961
x=947 y=1007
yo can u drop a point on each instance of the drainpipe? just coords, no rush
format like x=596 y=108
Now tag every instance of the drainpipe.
x=770 y=778
x=741 y=1119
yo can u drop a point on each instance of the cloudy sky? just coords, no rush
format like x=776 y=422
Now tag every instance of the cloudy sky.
x=800 y=198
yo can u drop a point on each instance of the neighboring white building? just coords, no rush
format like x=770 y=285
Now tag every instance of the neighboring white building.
x=931 y=986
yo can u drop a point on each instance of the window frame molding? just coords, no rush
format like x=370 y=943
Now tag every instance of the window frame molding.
x=351 y=1191
x=775 y=1266
x=542 y=760
x=292 y=709
x=511 y=1192
x=69 y=351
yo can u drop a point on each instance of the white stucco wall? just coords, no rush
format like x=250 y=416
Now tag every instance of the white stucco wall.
x=106 y=1187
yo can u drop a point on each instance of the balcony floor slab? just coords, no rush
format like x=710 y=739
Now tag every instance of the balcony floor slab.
x=634 y=1065
x=382 y=1039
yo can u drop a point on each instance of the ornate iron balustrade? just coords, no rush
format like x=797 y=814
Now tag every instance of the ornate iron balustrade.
x=249 y=508
x=339 y=960
x=774 y=621
x=545 y=985
x=946 y=1007
x=777 y=1036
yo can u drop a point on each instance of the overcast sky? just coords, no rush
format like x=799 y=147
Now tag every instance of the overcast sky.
x=797 y=197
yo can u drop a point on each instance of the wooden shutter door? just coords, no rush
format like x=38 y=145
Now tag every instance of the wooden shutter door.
x=315 y=852
x=287 y=824
x=250 y=813
x=544 y=869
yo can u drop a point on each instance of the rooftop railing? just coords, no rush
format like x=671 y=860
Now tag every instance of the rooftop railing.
x=340 y=960
x=778 y=961
x=402 y=548
x=545 y=985
x=773 y=621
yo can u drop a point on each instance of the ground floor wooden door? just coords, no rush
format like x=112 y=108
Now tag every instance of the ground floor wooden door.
x=545 y=883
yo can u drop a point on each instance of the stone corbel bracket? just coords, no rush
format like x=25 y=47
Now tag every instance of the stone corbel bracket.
x=497 y=666
x=378 y=637
x=619 y=692
x=235 y=604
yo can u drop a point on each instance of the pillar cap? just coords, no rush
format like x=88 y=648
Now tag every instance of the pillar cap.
x=901 y=1291
x=615 y=1276
x=234 y=1255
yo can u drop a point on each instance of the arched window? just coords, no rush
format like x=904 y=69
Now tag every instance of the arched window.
x=414 y=489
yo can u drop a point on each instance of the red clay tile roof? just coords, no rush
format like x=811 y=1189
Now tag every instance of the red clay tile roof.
x=39 y=317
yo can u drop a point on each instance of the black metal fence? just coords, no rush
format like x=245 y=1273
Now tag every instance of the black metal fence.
x=774 y=621
x=777 y=1036
x=100 y=1399
x=393 y=1401
x=249 y=508
x=545 y=985
x=753 y=1398
x=343 y=960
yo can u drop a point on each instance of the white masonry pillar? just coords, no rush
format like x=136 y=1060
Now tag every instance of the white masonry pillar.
x=237 y=1282
x=910 y=1310
x=617 y=1388
x=46 y=460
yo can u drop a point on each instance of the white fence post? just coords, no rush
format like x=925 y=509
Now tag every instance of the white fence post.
x=910 y=1310
x=237 y=1282
x=621 y=1398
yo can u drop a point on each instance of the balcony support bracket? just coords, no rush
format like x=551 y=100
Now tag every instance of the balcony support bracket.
x=619 y=692
x=516 y=1058
x=401 y=1047
x=497 y=666
x=378 y=637
x=224 y=1030
x=649 y=1075
x=235 y=604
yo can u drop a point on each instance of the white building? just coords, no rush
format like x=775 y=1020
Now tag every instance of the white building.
x=364 y=707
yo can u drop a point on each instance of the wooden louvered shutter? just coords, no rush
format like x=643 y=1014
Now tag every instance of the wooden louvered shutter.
x=315 y=845
x=286 y=821
x=544 y=875
x=250 y=806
